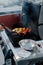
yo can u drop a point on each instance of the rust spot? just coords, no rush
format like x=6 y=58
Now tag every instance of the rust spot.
x=1 y=28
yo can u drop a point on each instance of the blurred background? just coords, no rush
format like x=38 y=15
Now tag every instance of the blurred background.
x=6 y=3
x=11 y=12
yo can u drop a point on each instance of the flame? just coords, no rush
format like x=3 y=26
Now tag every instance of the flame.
x=22 y=30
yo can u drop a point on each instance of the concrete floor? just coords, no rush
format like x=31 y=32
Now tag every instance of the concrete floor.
x=1 y=57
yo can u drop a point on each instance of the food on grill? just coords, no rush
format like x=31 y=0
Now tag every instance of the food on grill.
x=21 y=30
